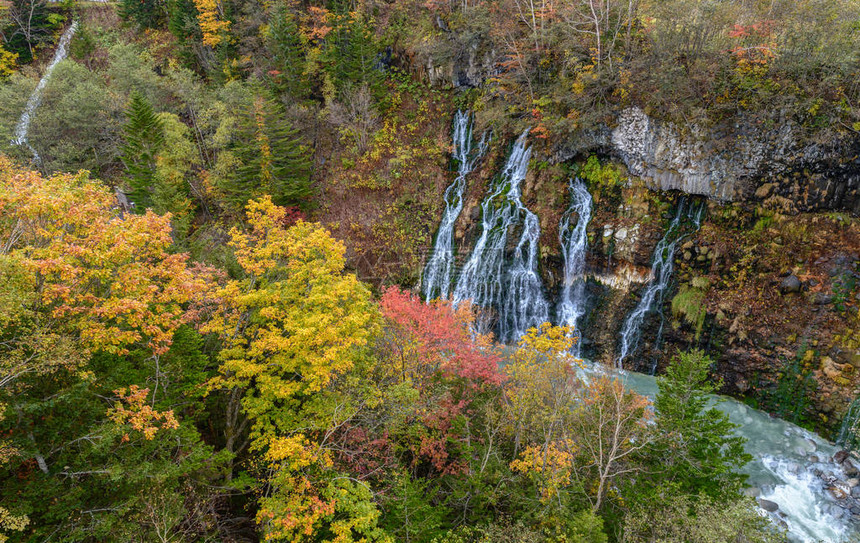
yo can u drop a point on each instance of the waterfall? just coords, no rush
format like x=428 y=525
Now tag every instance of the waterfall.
x=574 y=243
x=525 y=305
x=849 y=432
x=23 y=127
x=661 y=272
x=439 y=271
x=518 y=294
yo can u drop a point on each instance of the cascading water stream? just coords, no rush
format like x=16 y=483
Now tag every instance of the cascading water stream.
x=849 y=432
x=661 y=273
x=518 y=294
x=439 y=271
x=23 y=127
x=525 y=305
x=574 y=244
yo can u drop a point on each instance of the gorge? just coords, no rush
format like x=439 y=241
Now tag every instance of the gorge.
x=799 y=478
x=430 y=271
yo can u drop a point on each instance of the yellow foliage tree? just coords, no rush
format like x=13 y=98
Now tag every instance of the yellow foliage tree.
x=210 y=16
x=291 y=326
x=551 y=467
x=12 y=522
x=540 y=390
x=7 y=62
x=77 y=276
x=72 y=258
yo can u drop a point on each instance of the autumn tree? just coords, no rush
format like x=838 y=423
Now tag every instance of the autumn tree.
x=578 y=434
x=541 y=393
x=291 y=326
x=7 y=62
x=604 y=24
x=213 y=22
x=613 y=429
x=431 y=349
x=95 y=304
x=31 y=25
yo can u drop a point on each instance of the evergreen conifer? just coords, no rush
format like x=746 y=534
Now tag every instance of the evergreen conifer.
x=702 y=454
x=146 y=13
x=273 y=160
x=144 y=135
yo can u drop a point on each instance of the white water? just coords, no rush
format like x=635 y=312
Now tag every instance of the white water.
x=23 y=127
x=574 y=244
x=439 y=271
x=798 y=491
x=782 y=467
x=517 y=295
x=849 y=432
x=525 y=305
x=661 y=272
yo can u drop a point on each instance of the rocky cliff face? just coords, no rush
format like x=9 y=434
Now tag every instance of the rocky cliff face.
x=780 y=299
x=735 y=161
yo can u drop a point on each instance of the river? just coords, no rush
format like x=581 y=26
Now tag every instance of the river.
x=790 y=467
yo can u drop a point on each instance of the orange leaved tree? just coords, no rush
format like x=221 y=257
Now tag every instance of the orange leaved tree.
x=79 y=276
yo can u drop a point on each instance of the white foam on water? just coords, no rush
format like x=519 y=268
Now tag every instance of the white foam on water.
x=802 y=503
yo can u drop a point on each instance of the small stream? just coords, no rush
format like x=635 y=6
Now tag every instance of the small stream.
x=22 y=129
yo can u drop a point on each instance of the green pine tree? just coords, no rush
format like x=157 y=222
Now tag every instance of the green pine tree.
x=701 y=453
x=287 y=52
x=143 y=136
x=145 y=13
x=182 y=23
x=351 y=53
x=272 y=159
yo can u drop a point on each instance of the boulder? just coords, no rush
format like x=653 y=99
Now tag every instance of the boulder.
x=764 y=191
x=821 y=298
x=769 y=506
x=752 y=492
x=836 y=511
x=833 y=370
x=843 y=455
x=790 y=284
x=839 y=491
